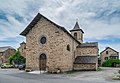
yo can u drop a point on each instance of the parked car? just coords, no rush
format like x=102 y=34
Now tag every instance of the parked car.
x=6 y=65
x=22 y=67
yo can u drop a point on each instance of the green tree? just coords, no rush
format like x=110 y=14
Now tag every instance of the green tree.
x=17 y=58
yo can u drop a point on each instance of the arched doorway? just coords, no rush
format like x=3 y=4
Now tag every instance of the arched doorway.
x=42 y=61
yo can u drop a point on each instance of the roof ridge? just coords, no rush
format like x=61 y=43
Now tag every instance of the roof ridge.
x=2 y=49
x=107 y=48
x=5 y=46
x=36 y=19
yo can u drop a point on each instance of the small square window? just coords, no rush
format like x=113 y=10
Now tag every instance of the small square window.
x=106 y=58
x=106 y=52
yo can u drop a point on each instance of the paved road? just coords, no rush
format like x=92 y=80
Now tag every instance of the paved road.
x=103 y=76
x=16 y=76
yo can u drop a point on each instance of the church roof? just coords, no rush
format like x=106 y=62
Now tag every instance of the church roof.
x=36 y=19
x=77 y=28
x=91 y=44
x=2 y=49
x=85 y=59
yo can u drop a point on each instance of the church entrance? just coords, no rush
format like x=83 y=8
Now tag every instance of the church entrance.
x=42 y=62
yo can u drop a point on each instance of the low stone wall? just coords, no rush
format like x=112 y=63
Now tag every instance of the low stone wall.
x=85 y=66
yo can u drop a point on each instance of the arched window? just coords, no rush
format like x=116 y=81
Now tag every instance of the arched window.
x=75 y=35
x=68 y=47
x=43 y=56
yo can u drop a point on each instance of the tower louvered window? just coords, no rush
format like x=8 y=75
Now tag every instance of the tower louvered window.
x=75 y=35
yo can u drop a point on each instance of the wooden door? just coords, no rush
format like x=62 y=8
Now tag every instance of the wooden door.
x=42 y=62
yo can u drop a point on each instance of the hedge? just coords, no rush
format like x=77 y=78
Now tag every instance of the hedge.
x=109 y=62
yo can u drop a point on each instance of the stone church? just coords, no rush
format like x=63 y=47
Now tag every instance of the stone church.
x=51 y=47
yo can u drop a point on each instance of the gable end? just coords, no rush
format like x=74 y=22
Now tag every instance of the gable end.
x=36 y=19
x=109 y=48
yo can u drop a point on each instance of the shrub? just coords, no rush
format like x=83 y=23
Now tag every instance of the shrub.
x=109 y=63
x=119 y=71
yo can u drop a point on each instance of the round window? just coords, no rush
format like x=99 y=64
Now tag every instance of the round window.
x=43 y=40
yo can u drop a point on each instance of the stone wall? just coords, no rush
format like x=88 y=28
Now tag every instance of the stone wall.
x=68 y=56
x=85 y=66
x=22 y=50
x=79 y=35
x=1 y=58
x=55 y=48
x=5 y=55
x=87 y=51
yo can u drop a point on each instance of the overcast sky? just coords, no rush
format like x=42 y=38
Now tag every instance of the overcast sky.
x=99 y=19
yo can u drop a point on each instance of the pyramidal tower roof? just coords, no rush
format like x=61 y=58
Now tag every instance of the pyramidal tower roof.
x=77 y=27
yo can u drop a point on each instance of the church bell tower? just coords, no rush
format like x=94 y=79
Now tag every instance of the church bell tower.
x=77 y=32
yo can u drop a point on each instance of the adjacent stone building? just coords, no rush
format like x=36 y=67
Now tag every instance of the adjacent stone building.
x=51 y=47
x=108 y=53
x=86 y=56
x=22 y=49
x=5 y=53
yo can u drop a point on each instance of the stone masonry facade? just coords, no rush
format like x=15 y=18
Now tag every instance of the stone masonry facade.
x=5 y=53
x=60 y=47
x=108 y=53
x=22 y=49
x=56 y=44
x=87 y=50
x=84 y=67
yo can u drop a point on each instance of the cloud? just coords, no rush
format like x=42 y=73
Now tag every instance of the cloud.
x=92 y=15
x=100 y=20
